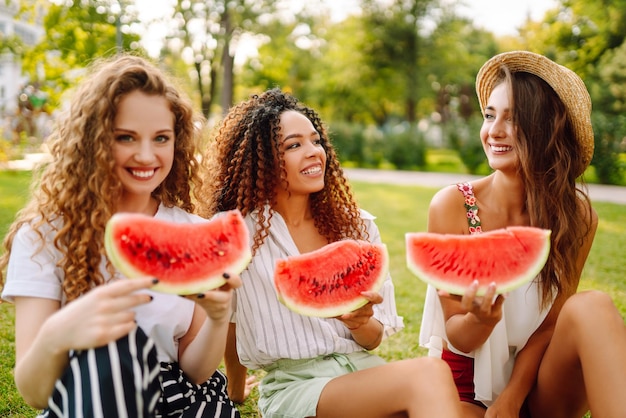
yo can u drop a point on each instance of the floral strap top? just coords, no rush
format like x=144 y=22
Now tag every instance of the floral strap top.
x=473 y=220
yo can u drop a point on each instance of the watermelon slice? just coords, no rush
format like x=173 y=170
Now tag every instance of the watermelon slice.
x=328 y=282
x=510 y=257
x=186 y=258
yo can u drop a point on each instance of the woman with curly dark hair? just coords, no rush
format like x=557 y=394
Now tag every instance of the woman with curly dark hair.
x=89 y=342
x=273 y=160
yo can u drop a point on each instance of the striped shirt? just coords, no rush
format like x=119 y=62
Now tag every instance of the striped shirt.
x=268 y=331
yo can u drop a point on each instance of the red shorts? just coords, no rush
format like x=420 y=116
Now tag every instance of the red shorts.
x=463 y=372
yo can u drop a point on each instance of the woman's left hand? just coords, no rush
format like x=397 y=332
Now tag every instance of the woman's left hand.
x=361 y=316
x=217 y=302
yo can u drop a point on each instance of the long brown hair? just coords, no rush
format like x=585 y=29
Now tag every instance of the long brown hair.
x=549 y=156
x=76 y=193
x=242 y=161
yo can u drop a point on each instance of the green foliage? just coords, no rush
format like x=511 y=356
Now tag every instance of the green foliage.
x=469 y=145
x=76 y=33
x=609 y=133
x=394 y=146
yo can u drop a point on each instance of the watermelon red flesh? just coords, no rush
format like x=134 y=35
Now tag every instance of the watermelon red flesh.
x=509 y=257
x=186 y=258
x=328 y=282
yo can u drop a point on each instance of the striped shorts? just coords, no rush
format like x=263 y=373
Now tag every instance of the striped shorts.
x=124 y=379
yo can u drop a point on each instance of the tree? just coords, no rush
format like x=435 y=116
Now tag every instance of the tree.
x=204 y=32
x=76 y=33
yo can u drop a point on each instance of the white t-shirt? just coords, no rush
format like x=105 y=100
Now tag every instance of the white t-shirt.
x=268 y=331
x=166 y=319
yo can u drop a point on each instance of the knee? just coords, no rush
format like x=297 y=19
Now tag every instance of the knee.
x=590 y=306
x=433 y=369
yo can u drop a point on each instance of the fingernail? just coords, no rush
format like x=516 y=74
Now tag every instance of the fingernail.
x=151 y=298
x=155 y=280
x=226 y=276
x=200 y=296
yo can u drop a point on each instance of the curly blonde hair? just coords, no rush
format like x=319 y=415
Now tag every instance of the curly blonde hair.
x=241 y=161
x=78 y=191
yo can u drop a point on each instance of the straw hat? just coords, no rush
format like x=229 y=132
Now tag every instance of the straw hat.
x=566 y=83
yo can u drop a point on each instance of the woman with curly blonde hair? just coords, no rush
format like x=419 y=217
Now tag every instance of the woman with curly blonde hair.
x=127 y=143
x=273 y=160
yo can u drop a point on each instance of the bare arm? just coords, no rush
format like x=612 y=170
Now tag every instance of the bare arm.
x=201 y=350
x=45 y=332
x=366 y=330
x=235 y=371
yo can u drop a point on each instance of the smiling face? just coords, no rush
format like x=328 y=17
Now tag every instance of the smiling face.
x=143 y=149
x=498 y=133
x=303 y=154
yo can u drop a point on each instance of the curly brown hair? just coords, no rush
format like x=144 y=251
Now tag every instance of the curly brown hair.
x=241 y=161
x=549 y=156
x=77 y=192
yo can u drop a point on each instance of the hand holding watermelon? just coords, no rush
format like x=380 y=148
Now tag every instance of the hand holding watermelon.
x=217 y=303
x=508 y=257
x=361 y=316
x=487 y=308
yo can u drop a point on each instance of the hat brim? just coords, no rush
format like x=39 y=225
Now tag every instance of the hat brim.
x=566 y=83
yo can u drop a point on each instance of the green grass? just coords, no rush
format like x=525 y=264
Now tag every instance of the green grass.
x=399 y=209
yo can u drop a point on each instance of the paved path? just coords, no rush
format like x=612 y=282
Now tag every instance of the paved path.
x=597 y=192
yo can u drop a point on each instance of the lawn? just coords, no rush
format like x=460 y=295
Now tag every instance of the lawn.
x=399 y=209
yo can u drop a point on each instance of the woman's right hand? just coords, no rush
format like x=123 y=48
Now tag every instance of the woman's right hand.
x=102 y=315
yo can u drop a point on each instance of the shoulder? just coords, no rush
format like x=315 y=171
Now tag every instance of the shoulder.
x=366 y=216
x=447 y=212
x=449 y=195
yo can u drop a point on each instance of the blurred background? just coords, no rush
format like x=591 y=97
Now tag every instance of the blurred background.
x=394 y=79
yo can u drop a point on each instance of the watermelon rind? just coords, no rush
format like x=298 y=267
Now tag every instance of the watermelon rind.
x=342 y=253
x=194 y=237
x=510 y=257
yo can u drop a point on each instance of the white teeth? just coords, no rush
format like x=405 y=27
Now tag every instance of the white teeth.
x=142 y=173
x=501 y=148
x=313 y=170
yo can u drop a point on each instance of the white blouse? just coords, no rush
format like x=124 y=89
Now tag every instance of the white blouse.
x=268 y=331
x=493 y=361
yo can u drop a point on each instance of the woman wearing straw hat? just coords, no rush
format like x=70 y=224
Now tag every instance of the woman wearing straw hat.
x=542 y=350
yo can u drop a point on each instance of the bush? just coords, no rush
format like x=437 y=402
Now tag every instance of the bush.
x=609 y=132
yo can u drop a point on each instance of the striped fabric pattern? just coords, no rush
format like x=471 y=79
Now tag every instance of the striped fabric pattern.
x=124 y=379
x=120 y=379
